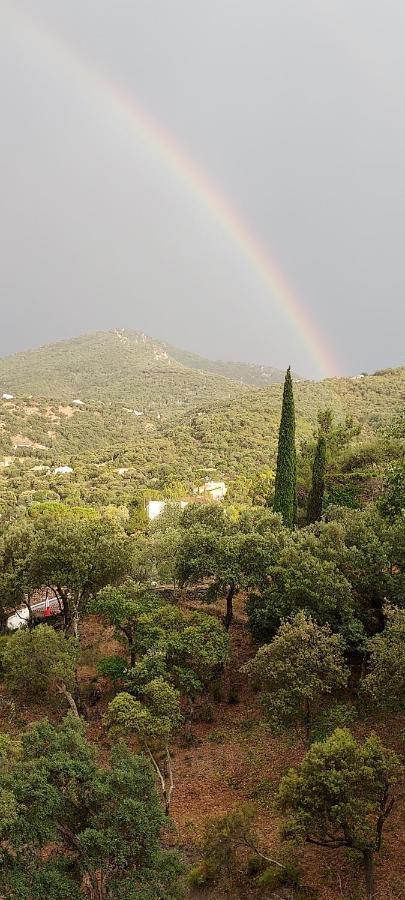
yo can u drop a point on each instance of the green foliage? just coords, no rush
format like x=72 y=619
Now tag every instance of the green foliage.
x=273 y=878
x=164 y=545
x=231 y=553
x=128 y=607
x=72 y=551
x=356 y=543
x=113 y=667
x=315 y=499
x=126 y=367
x=384 y=685
x=341 y=794
x=197 y=877
x=302 y=666
x=162 y=640
x=153 y=718
x=65 y=822
x=285 y=500
x=196 y=554
x=336 y=715
x=180 y=655
x=117 y=455
x=392 y=503
x=40 y=661
x=300 y=581
x=103 y=824
x=223 y=837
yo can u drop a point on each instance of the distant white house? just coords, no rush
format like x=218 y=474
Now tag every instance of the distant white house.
x=63 y=470
x=154 y=508
x=214 y=489
x=8 y=396
x=137 y=412
x=77 y=403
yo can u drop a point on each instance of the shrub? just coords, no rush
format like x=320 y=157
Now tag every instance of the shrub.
x=113 y=667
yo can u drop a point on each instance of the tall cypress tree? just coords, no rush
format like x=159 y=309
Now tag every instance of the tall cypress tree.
x=285 y=500
x=315 y=498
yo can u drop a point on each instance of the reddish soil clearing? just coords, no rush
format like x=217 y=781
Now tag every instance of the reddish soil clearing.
x=233 y=759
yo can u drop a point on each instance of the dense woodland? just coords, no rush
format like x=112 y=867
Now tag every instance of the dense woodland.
x=214 y=706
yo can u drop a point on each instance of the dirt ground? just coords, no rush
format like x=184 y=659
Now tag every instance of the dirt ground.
x=232 y=759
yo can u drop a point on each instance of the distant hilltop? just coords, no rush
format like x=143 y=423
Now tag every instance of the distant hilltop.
x=128 y=367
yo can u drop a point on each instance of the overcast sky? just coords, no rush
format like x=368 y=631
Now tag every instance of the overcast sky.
x=293 y=109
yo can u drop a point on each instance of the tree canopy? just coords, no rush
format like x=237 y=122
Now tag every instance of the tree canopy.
x=341 y=795
x=67 y=824
x=303 y=665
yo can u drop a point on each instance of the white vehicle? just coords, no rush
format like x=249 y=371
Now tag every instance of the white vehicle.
x=18 y=620
x=47 y=607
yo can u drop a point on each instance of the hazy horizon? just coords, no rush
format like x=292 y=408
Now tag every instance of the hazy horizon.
x=153 y=155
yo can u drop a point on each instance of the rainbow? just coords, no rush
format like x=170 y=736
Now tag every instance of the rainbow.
x=160 y=142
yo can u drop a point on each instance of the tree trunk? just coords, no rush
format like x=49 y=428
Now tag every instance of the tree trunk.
x=97 y=886
x=165 y=778
x=64 y=604
x=30 y=616
x=75 y=622
x=368 y=857
x=307 y=720
x=63 y=690
x=169 y=782
x=229 y=606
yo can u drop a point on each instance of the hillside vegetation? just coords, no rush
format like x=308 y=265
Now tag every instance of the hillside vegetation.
x=115 y=451
x=128 y=367
x=245 y=373
x=158 y=680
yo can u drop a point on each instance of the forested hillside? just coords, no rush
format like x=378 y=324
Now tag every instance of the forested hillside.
x=114 y=450
x=210 y=704
x=127 y=367
x=249 y=374
x=122 y=366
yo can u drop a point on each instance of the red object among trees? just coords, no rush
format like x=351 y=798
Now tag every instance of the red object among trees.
x=47 y=608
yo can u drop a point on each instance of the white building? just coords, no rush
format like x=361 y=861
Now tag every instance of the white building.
x=63 y=470
x=8 y=396
x=214 y=489
x=154 y=508
x=77 y=402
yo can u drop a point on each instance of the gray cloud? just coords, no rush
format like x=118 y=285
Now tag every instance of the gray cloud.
x=294 y=108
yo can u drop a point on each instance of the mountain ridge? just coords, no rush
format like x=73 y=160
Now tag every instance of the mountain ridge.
x=127 y=366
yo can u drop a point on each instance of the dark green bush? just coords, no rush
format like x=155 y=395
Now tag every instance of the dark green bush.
x=113 y=667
